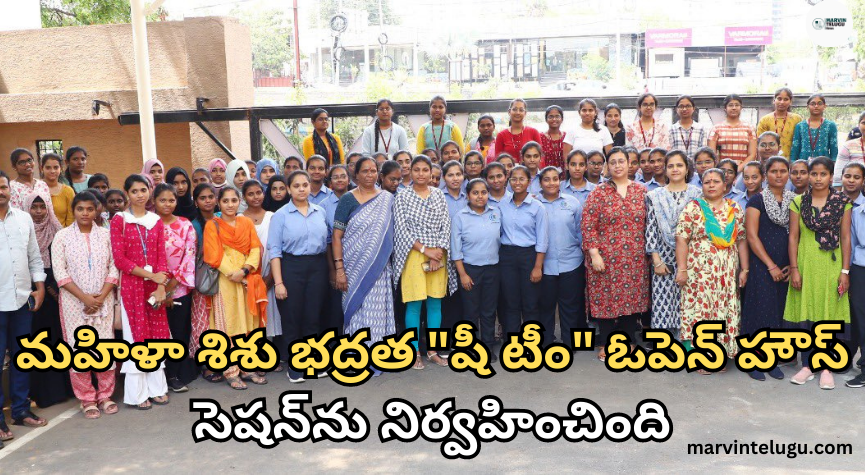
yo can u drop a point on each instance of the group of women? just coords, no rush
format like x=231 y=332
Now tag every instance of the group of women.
x=605 y=225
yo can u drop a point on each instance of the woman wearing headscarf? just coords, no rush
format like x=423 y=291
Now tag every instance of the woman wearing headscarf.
x=277 y=194
x=154 y=170
x=236 y=175
x=218 y=176
x=265 y=169
x=185 y=208
x=46 y=388
x=321 y=142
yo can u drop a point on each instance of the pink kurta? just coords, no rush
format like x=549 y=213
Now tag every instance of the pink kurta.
x=126 y=245
x=180 y=253
x=85 y=260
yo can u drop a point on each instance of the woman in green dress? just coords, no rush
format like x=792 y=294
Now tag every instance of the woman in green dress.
x=820 y=260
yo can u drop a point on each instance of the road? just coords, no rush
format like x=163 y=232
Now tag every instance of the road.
x=720 y=408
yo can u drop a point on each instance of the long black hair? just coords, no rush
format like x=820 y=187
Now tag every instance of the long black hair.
x=595 y=126
x=377 y=130
x=72 y=151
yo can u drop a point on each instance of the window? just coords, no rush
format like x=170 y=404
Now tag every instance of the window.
x=46 y=146
x=664 y=58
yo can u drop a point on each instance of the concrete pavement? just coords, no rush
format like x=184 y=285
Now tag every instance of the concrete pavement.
x=704 y=409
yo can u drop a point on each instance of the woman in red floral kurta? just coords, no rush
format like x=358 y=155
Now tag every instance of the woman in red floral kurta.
x=614 y=236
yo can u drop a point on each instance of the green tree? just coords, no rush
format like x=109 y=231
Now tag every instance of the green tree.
x=596 y=67
x=271 y=35
x=89 y=12
x=328 y=8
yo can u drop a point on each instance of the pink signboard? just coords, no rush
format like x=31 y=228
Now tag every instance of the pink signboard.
x=680 y=38
x=747 y=35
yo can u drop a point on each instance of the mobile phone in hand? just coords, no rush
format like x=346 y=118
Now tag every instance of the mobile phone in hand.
x=31 y=303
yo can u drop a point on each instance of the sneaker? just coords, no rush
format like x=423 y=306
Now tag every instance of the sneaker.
x=757 y=375
x=776 y=373
x=294 y=376
x=803 y=376
x=322 y=374
x=176 y=386
x=857 y=382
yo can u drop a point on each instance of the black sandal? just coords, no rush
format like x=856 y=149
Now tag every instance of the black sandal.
x=213 y=377
x=21 y=420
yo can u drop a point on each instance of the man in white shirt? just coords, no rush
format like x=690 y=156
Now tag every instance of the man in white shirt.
x=20 y=268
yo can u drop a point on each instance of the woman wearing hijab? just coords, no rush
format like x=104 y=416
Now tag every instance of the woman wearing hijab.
x=236 y=175
x=185 y=208
x=154 y=170
x=265 y=169
x=277 y=194
x=50 y=387
x=217 y=169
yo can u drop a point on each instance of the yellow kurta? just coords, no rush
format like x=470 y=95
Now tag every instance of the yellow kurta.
x=768 y=124
x=62 y=203
x=417 y=284
x=238 y=320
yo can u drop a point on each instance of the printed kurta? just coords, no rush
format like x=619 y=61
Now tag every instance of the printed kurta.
x=640 y=138
x=19 y=191
x=616 y=226
x=128 y=252
x=553 y=151
x=180 y=246
x=712 y=289
x=86 y=260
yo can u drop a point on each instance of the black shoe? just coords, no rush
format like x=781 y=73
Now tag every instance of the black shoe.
x=176 y=386
x=776 y=373
x=758 y=375
x=445 y=353
x=857 y=382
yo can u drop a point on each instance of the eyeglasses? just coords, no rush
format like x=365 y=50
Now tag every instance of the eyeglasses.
x=649 y=106
x=385 y=109
x=768 y=144
x=554 y=117
x=520 y=179
x=26 y=161
x=730 y=172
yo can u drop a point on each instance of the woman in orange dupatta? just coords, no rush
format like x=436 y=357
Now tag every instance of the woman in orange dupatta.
x=231 y=246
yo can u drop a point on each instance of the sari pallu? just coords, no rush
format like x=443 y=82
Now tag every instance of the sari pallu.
x=367 y=248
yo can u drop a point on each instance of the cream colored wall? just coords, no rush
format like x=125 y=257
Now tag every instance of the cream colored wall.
x=112 y=149
x=65 y=69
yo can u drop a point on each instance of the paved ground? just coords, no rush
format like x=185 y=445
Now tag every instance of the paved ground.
x=704 y=409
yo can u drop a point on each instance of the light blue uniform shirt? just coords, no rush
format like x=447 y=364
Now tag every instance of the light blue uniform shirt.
x=579 y=193
x=652 y=184
x=697 y=181
x=739 y=197
x=455 y=205
x=564 y=252
x=857 y=235
x=322 y=195
x=293 y=233
x=506 y=196
x=329 y=204
x=524 y=225
x=475 y=238
x=535 y=185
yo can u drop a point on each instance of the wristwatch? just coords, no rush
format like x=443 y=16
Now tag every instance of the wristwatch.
x=245 y=271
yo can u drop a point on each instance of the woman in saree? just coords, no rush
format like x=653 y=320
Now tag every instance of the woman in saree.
x=362 y=245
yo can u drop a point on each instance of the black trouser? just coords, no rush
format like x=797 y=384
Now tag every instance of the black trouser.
x=305 y=279
x=479 y=304
x=333 y=316
x=452 y=309
x=857 y=310
x=521 y=295
x=625 y=323
x=568 y=290
x=180 y=325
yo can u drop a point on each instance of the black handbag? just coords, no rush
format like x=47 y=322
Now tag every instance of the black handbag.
x=206 y=277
